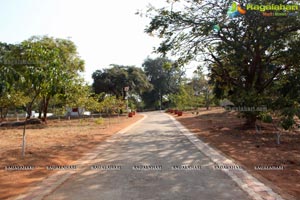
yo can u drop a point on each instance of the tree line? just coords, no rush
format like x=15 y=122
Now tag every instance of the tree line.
x=157 y=85
x=43 y=72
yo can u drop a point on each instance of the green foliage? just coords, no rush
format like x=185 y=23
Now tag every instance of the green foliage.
x=165 y=76
x=287 y=123
x=59 y=111
x=99 y=121
x=265 y=117
x=109 y=104
x=40 y=67
x=192 y=94
x=202 y=87
x=13 y=99
x=79 y=95
x=181 y=99
x=252 y=59
x=132 y=103
x=113 y=80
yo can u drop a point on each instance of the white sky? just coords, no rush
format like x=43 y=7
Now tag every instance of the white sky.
x=105 y=32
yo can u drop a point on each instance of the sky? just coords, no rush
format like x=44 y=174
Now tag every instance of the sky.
x=105 y=32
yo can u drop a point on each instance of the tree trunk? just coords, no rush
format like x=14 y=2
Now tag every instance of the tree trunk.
x=28 y=110
x=24 y=139
x=41 y=108
x=16 y=113
x=250 y=121
x=78 y=111
x=207 y=107
x=5 y=113
x=207 y=103
x=45 y=110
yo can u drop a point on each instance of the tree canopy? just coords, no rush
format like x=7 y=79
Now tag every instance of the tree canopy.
x=39 y=68
x=113 y=80
x=165 y=76
x=248 y=56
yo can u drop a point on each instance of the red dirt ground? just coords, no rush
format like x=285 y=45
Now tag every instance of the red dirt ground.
x=222 y=130
x=57 y=143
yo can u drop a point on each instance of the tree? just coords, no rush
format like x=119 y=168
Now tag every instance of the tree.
x=165 y=76
x=181 y=99
x=50 y=65
x=246 y=56
x=202 y=86
x=10 y=79
x=38 y=68
x=113 y=80
x=192 y=93
x=80 y=95
x=284 y=103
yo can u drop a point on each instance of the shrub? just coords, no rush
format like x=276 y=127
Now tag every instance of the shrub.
x=99 y=121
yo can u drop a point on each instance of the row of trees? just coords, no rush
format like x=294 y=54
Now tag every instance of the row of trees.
x=158 y=84
x=252 y=60
x=43 y=72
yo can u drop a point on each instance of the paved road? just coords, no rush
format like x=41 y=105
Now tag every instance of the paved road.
x=154 y=143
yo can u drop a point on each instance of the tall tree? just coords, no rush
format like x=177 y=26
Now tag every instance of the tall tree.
x=246 y=55
x=51 y=64
x=113 y=80
x=202 y=87
x=165 y=76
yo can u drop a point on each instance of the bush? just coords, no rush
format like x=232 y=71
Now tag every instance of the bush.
x=267 y=118
x=99 y=121
x=287 y=123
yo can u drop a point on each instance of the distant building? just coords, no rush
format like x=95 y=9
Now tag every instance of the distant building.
x=76 y=112
x=226 y=103
x=36 y=114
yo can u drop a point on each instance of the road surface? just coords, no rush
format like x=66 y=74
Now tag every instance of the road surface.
x=152 y=160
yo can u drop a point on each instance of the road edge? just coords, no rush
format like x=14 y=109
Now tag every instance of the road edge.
x=255 y=189
x=48 y=185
